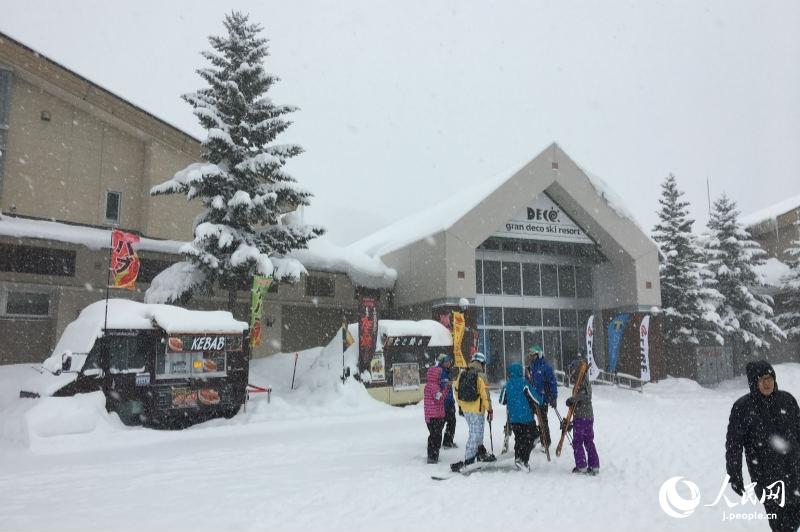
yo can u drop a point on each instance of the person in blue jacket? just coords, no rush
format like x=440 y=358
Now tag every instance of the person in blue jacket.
x=521 y=399
x=445 y=380
x=543 y=379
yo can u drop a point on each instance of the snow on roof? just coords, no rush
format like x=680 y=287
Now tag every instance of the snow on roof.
x=770 y=213
x=440 y=335
x=431 y=220
x=80 y=335
x=442 y=216
x=322 y=255
x=90 y=237
x=363 y=270
x=772 y=271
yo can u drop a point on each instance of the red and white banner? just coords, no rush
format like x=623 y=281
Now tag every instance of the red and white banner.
x=644 y=348
x=124 y=261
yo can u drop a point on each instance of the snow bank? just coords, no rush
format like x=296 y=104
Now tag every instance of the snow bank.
x=363 y=270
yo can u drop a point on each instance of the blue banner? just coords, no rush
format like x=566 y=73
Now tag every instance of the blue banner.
x=615 y=330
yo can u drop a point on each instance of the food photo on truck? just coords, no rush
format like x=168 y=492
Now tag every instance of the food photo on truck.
x=158 y=365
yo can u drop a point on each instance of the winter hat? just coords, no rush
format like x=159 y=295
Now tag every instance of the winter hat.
x=535 y=349
x=758 y=369
x=573 y=366
x=441 y=359
x=479 y=357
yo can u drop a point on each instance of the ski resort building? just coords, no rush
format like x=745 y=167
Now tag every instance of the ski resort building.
x=535 y=252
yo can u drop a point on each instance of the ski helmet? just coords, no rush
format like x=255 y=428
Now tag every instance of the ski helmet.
x=479 y=357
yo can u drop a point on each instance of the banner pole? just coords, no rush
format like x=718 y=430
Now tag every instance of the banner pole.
x=108 y=281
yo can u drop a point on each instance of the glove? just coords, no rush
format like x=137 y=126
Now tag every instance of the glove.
x=438 y=396
x=490 y=415
x=569 y=402
x=460 y=412
x=737 y=485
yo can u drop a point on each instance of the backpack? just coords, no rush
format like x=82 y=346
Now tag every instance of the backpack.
x=468 y=386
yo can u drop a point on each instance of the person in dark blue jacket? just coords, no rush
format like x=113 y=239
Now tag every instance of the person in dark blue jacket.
x=521 y=399
x=446 y=363
x=543 y=379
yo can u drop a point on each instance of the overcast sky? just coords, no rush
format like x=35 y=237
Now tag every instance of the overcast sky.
x=403 y=103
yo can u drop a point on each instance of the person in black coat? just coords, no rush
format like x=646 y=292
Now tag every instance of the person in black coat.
x=766 y=424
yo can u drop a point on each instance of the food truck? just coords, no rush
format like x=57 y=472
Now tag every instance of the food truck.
x=404 y=352
x=158 y=365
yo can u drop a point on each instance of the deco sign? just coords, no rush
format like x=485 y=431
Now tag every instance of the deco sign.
x=543 y=220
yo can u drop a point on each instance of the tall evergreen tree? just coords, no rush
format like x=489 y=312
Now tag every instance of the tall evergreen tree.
x=688 y=297
x=248 y=224
x=789 y=320
x=733 y=255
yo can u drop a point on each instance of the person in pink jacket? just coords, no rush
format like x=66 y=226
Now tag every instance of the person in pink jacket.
x=434 y=398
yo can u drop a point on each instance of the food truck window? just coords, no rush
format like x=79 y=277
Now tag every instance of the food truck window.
x=180 y=358
x=127 y=353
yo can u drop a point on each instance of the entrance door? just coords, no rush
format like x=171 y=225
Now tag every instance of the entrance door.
x=493 y=345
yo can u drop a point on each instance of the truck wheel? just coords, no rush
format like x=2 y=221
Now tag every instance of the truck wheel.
x=230 y=411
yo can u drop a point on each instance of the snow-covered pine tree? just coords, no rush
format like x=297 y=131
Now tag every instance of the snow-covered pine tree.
x=248 y=224
x=688 y=298
x=789 y=320
x=732 y=258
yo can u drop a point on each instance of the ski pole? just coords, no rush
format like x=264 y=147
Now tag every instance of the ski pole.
x=561 y=421
x=491 y=440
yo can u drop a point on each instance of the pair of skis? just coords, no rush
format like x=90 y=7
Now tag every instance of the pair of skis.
x=565 y=423
x=542 y=434
x=497 y=465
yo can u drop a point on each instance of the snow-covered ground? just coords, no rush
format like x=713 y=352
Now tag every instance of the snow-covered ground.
x=327 y=457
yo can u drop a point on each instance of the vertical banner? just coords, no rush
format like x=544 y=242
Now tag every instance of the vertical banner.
x=367 y=331
x=124 y=261
x=458 y=337
x=615 y=330
x=644 y=347
x=594 y=371
x=261 y=284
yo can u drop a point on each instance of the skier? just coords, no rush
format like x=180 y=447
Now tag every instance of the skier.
x=472 y=393
x=521 y=398
x=446 y=363
x=583 y=426
x=766 y=424
x=543 y=380
x=434 y=398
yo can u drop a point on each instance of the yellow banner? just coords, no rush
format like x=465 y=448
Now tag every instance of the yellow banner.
x=458 y=336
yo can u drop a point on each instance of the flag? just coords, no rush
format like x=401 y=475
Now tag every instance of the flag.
x=644 y=348
x=594 y=371
x=458 y=336
x=124 y=261
x=615 y=331
x=261 y=284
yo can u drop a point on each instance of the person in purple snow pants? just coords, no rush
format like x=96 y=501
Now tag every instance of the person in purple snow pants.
x=583 y=427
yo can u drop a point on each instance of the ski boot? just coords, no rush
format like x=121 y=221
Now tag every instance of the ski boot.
x=591 y=471
x=433 y=460
x=579 y=470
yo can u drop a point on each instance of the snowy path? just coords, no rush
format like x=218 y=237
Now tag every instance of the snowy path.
x=353 y=464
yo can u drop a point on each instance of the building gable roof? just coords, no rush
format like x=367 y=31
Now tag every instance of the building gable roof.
x=486 y=205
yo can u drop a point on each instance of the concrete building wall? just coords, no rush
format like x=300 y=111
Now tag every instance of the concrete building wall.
x=424 y=270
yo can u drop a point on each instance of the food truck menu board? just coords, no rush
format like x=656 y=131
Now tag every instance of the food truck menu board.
x=405 y=376
x=196 y=356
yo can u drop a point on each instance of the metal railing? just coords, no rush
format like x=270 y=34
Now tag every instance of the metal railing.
x=621 y=380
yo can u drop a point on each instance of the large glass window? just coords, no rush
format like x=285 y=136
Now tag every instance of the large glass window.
x=493 y=349
x=569 y=318
x=513 y=347
x=511 y=279
x=552 y=348
x=550 y=316
x=478 y=277
x=532 y=338
x=30 y=259
x=583 y=281
x=549 y=280
x=566 y=281
x=113 y=206
x=530 y=279
x=491 y=277
x=491 y=316
x=515 y=316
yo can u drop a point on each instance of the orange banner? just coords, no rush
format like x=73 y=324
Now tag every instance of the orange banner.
x=124 y=261
x=458 y=336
